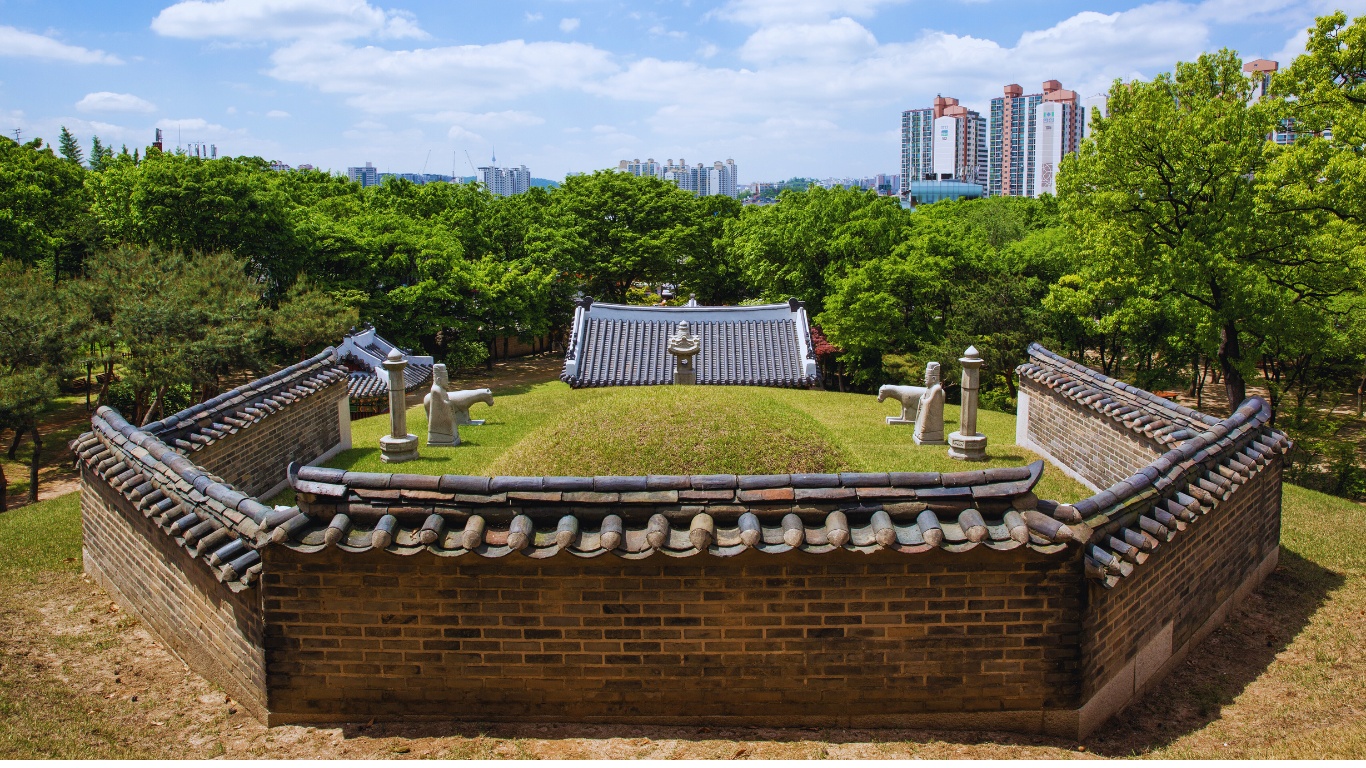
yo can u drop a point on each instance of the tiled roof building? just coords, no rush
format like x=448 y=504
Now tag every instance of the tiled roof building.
x=620 y=345
x=363 y=352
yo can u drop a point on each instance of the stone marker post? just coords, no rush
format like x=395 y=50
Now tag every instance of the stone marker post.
x=441 y=424
x=929 y=419
x=398 y=445
x=966 y=444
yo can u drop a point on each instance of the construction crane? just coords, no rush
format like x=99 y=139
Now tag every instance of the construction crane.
x=473 y=170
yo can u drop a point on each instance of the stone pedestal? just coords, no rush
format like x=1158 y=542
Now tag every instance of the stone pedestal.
x=398 y=445
x=966 y=444
x=967 y=447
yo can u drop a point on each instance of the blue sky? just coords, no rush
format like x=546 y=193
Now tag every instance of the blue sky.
x=785 y=87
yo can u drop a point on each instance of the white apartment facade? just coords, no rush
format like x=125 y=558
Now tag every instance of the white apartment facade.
x=717 y=179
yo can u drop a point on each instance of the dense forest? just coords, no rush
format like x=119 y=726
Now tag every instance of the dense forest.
x=1184 y=251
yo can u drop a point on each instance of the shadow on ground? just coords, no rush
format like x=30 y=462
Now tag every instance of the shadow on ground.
x=1219 y=669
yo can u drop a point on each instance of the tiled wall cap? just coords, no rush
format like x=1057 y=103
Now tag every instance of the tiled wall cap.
x=322 y=474
x=522 y=483
x=415 y=482
x=713 y=482
x=864 y=479
x=760 y=482
x=619 y=484
x=913 y=479
x=808 y=480
x=464 y=484
x=667 y=482
x=567 y=484
x=375 y=481
x=958 y=479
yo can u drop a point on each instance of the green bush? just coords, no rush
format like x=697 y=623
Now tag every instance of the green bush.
x=121 y=397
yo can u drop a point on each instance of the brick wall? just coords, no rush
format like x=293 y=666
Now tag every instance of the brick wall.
x=217 y=632
x=1100 y=450
x=255 y=459
x=1184 y=584
x=836 y=638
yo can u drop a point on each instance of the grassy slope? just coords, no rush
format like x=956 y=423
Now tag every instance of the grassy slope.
x=552 y=429
x=1283 y=679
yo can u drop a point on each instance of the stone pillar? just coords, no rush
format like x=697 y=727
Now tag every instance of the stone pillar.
x=398 y=445
x=966 y=444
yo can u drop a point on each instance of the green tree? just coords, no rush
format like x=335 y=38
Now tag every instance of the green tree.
x=35 y=353
x=100 y=155
x=177 y=202
x=310 y=318
x=70 y=147
x=1166 y=194
x=610 y=230
x=710 y=269
x=183 y=321
x=43 y=220
x=807 y=241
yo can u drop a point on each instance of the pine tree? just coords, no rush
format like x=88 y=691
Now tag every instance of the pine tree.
x=100 y=155
x=69 y=147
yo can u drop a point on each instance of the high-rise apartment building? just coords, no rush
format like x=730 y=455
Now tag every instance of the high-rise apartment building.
x=718 y=179
x=1089 y=106
x=506 y=181
x=1261 y=70
x=946 y=141
x=367 y=175
x=1030 y=134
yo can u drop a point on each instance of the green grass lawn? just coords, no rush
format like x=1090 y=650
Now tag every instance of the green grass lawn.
x=551 y=429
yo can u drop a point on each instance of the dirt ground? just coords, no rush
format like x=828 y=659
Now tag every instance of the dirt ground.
x=56 y=473
x=86 y=680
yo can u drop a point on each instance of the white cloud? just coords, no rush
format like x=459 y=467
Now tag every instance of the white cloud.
x=283 y=20
x=708 y=50
x=763 y=12
x=106 y=101
x=569 y=25
x=855 y=70
x=21 y=44
x=659 y=30
x=534 y=16
x=380 y=80
x=842 y=39
x=196 y=129
x=279 y=113
x=459 y=133
x=486 y=120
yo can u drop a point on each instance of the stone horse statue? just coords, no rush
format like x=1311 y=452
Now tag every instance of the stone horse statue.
x=463 y=399
x=460 y=401
x=908 y=396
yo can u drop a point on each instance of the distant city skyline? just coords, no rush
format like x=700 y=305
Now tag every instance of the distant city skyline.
x=791 y=88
